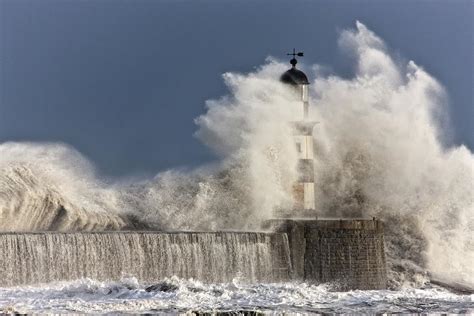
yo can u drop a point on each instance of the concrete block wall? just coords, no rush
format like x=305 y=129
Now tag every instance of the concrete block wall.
x=350 y=254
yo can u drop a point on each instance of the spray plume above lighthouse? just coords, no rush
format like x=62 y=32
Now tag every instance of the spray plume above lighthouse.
x=303 y=189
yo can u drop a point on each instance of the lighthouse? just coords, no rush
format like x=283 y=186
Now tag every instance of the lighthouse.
x=303 y=189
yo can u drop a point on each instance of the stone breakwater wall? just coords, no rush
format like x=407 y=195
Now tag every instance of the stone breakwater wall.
x=31 y=258
x=348 y=253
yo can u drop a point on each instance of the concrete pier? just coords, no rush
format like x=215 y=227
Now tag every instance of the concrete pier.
x=348 y=253
x=211 y=257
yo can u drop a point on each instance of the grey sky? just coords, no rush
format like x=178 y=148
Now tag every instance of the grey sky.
x=122 y=81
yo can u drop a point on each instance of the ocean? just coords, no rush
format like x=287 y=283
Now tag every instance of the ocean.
x=180 y=296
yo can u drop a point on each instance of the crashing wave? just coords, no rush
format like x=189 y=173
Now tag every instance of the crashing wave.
x=28 y=203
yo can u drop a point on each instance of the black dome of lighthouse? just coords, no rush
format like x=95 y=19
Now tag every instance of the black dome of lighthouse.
x=294 y=76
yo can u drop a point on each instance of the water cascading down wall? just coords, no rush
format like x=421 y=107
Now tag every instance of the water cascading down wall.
x=351 y=253
x=149 y=256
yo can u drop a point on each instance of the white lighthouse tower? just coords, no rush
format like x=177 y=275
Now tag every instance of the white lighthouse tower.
x=303 y=190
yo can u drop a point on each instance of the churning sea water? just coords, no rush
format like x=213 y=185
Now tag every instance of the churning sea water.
x=178 y=296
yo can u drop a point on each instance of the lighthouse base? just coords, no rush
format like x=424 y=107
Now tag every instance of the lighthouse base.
x=349 y=254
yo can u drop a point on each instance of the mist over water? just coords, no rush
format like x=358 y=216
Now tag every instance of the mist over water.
x=380 y=153
x=380 y=150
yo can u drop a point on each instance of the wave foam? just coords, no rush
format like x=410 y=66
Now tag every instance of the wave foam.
x=178 y=296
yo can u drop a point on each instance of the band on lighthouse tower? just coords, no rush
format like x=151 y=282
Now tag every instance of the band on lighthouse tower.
x=303 y=190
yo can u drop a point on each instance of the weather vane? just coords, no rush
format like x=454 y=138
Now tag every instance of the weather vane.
x=293 y=61
x=300 y=54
